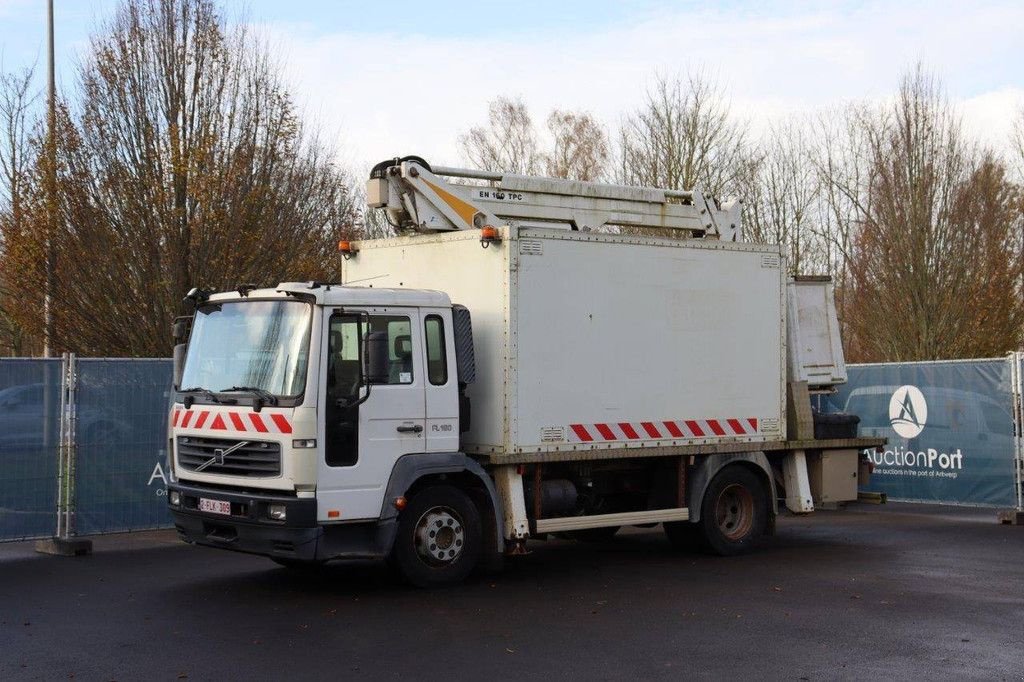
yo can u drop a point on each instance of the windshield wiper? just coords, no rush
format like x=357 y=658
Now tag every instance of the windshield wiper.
x=206 y=393
x=262 y=395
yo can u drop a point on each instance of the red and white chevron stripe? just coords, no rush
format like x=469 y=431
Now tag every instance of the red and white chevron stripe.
x=663 y=430
x=241 y=422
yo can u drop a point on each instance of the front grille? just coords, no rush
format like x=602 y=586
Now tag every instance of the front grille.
x=255 y=459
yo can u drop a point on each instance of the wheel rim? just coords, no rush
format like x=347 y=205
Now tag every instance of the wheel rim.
x=440 y=536
x=734 y=512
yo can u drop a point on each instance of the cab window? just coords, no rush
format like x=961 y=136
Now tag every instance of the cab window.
x=437 y=361
x=398 y=330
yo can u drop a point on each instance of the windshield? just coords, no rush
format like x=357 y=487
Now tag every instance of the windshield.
x=256 y=344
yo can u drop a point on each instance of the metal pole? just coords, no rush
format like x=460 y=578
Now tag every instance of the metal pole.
x=1018 y=427
x=61 y=446
x=65 y=543
x=70 y=522
x=51 y=189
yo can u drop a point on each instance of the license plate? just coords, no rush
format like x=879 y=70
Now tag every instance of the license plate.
x=215 y=506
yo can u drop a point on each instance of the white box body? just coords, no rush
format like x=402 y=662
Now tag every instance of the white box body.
x=587 y=341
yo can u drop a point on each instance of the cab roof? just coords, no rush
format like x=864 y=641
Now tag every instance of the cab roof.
x=337 y=294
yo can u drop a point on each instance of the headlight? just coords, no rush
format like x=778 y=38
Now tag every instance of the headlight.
x=277 y=512
x=174 y=497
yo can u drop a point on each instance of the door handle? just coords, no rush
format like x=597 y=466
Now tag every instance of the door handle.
x=410 y=429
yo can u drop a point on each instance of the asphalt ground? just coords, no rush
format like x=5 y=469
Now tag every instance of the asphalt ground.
x=891 y=592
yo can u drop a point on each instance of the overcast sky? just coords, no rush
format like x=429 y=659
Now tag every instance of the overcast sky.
x=398 y=77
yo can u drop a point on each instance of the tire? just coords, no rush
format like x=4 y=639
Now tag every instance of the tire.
x=439 y=537
x=734 y=511
x=594 y=534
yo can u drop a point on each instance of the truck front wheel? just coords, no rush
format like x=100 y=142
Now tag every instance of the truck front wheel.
x=438 y=539
x=734 y=511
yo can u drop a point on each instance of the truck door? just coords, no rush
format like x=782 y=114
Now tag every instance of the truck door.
x=441 y=386
x=362 y=442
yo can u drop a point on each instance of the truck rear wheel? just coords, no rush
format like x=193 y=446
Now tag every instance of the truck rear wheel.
x=734 y=511
x=438 y=539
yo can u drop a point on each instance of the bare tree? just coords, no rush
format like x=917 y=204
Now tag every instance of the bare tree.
x=1017 y=143
x=933 y=262
x=683 y=137
x=580 y=148
x=371 y=223
x=991 y=207
x=780 y=189
x=508 y=143
x=187 y=165
x=16 y=103
x=841 y=159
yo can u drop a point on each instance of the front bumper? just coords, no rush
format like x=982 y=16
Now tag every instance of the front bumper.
x=250 y=529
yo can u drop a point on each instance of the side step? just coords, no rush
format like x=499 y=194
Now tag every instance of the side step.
x=602 y=520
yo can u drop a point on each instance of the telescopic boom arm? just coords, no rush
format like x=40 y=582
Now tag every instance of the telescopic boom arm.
x=419 y=198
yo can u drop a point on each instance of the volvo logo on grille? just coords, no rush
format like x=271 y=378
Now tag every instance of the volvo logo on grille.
x=219 y=454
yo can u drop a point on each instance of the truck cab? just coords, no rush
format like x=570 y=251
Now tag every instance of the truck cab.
x=293 y=407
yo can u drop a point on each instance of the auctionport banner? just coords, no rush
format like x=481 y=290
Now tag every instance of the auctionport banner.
x=949 y=425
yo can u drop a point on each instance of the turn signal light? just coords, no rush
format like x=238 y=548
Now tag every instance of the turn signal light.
x=400 y=503
x=333 y=513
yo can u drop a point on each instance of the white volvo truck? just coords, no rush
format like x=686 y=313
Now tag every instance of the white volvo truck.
x=535 y=357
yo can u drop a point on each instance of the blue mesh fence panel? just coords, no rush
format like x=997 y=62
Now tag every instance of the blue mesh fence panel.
x=121 y=434
x=949 y=425
x=29 y=441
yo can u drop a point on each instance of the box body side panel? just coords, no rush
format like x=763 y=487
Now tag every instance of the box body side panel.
x=649 y=343
x=587 y=342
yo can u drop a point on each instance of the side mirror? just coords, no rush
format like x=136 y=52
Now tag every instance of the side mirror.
x=179 y=363
x=180 y=331
x=181 y=328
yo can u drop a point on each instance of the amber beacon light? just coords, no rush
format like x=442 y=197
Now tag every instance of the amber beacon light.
x=347 y=249
x=489 y=235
